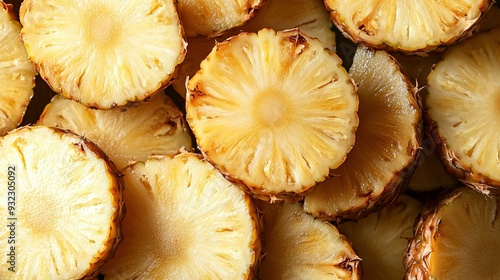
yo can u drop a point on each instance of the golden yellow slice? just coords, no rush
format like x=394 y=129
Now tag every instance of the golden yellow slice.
x=184 y=221
x=274 y=111
x=62 y=205
x=103 y=53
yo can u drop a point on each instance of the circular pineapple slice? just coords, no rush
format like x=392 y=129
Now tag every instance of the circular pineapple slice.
x=308 y=15
x=124 y=134
x=387 y=142
x=213 y=17
x=462 y=105
x=17 y=75
x=274 y=111
x=62 y=205
x=416 y=26
x=184 y=221
x=103 y=53
x=457 y=239
x=296 y=246
x=381 y=238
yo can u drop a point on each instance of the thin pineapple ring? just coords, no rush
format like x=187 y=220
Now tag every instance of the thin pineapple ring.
x=103 y=53
x=463 y=107
x=184 y=221
x=408 y=26
x=156 y=126
x=63 y=204
x=17 y=75
x=274 y=111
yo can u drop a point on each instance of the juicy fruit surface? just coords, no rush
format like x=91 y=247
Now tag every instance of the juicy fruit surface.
x=103 y=53
x=463 y=101
x=274 y=110
x=184 y=221
x=16 y=72
x=297 y=246
x=406 y=26
x=67 y=205
x=381 y=238
x=387 y=142
x=125 y=134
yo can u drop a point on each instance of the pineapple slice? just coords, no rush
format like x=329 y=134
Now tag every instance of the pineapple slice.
x=62 y=203
x=296 y=246
x=462 y=105
x=17 y=75
x=274 y=111
x=103 y=53
x=308 y=15
x=125 y=134
x=491 y=19
x=212 y=18
x=381 y=238
x=416 y=26
x=184 y=221
x=457 y=239
x=387 y=145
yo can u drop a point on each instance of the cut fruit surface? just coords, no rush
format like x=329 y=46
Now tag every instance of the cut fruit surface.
x=296 y=246
x=417 y=26
x=462 y=105
x=213 y=17
x=125 y=134
x=274 y=111
x=459 y=238
x=381 y=238
x=387 y=142
x=103 y=53
x=309 y=16
x=62 y=202
x=184 y=221
x=17 y=75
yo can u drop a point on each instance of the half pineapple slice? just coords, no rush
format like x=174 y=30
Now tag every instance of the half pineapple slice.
x=387 y=145
x=211 y=17
x=184 y=221
x=17 y=75
x=103 y=53
x=308 y=15
x=62 y=204
x=417 y=26
x=296 y=246
x=464 y=94
x=459 y=238
x=381 y=238
x=125 y=134
x=274 y=111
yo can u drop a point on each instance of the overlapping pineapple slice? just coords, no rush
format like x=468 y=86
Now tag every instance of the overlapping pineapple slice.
x=17 y=75
x=381 y=238
x=459 y=238
x=309 y=16
x=184 y=221
x=213 y=17
x=62 y=205
x=103 y=53
x=274 y=111
x=387 y=142
x=491 y=18
x=125 y=134
x=297 y=246
x=462 y=105
x=417 y=26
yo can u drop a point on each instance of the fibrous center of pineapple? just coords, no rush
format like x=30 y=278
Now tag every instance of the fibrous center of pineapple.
x=41 y=213
x=271 y=108
x=101 y=27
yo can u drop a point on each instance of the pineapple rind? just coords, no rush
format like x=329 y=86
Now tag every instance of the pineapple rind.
x=459 y=108
x=82 y=189
x=104 y=54
x=264 y=150
x=156 y=126
x=17 y=75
